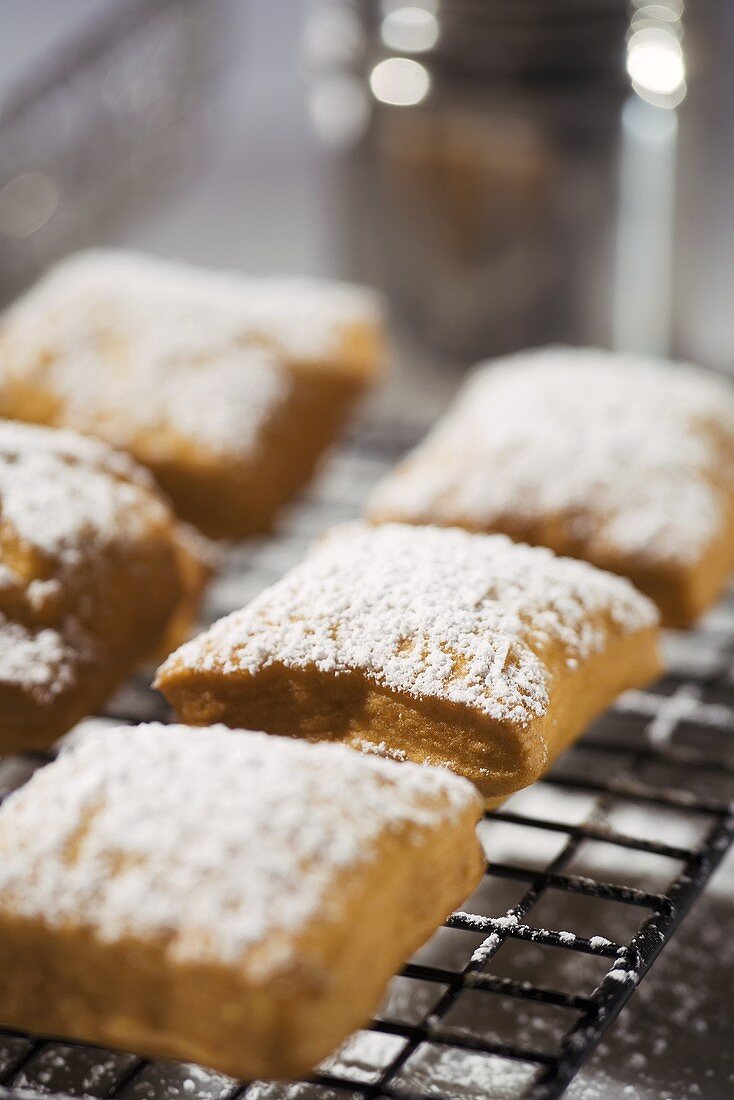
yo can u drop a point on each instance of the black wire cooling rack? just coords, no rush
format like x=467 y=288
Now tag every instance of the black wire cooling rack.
x=591 y=872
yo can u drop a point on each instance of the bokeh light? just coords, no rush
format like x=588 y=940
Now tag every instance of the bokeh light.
x=400 y=81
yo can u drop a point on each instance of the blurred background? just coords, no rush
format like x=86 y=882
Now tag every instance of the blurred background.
x=511 y=172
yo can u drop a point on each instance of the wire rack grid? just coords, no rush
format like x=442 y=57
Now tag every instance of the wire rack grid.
x=590 y=873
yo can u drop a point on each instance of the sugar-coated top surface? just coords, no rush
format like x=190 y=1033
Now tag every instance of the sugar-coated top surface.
x=64 y=499
x=228 y=842
x=430 y=612
x=61 y=493
x=638 y=451
x=139 y=343
x=43 y=661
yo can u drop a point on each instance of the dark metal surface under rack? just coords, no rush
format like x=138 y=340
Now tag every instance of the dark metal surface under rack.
x=591 y=872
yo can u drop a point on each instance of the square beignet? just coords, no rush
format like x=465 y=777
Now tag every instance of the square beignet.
x=228 y=388
x=96 y=575
x=623 y=460
x=223 y=897
x=427 y=644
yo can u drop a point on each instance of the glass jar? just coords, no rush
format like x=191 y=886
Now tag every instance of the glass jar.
x=476 y=170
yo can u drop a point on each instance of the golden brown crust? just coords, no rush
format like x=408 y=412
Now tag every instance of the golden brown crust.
x=97 y=576
x=197 y=561
x=128 y=995
x=232 y=497
x=430 y=645
x=228 y=389
x=682 y=591
x=135 y=992
x=623 y=461
x=498 y=757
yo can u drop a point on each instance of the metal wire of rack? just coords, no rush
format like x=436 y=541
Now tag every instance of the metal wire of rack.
x=510 y=998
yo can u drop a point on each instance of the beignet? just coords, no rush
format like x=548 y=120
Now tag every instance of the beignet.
x=427 y=644
x=622 y=460
x=228 y=388
x=222 y=897
x=96 y=575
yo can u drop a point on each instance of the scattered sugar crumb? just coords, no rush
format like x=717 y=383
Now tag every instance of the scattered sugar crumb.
x=619 y=975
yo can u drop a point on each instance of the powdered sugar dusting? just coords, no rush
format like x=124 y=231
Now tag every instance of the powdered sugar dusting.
x=224 y=842
x=429 y=612
x=61 y=493
x=598 y=942
x=636 y=452
x=44 y=661
x=71 y=447
x=445 y=1071
x=132 y=344
x=64 y=500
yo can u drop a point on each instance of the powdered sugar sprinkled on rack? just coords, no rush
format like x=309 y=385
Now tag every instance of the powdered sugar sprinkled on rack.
x=221 y=839
x=684 y=704
x=135 y=344
x=429 y=612
x=489 y=945
x=656 y=438
x=599 y=941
